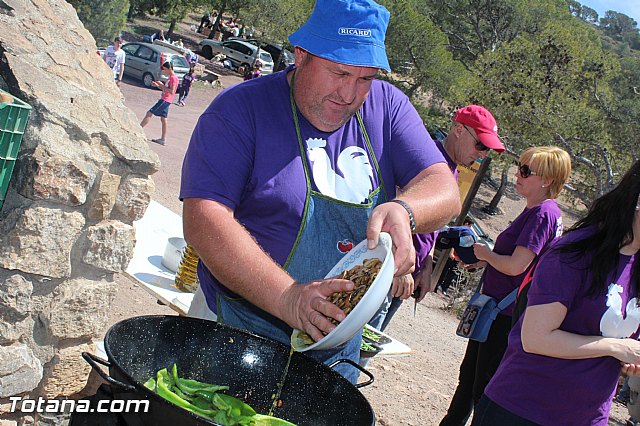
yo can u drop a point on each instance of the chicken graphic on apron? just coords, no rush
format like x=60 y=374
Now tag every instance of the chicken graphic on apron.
x=352 y=182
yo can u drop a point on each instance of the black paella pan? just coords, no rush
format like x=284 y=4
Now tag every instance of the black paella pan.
x=252 y=366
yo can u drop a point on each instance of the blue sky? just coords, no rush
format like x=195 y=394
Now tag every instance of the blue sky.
x=630 y=8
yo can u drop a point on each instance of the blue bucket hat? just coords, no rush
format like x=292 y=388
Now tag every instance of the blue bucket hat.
x=349 y=32
x=461 y=239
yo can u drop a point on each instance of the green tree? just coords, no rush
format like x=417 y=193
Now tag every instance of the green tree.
x=277 y=19
x=616 y=24
x=583 y=12
x=474 y=27
x=102 y=18
x=422 y=65
x=555 y=88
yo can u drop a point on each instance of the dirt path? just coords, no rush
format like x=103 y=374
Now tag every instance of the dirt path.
x=412 y=390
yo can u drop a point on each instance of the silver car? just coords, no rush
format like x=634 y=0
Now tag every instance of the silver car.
x=240 y=53
x=143 y=61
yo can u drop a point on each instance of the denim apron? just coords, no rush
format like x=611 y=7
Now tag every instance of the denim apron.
x=325 y=222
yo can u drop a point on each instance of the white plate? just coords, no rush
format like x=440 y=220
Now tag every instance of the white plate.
x=370 y=302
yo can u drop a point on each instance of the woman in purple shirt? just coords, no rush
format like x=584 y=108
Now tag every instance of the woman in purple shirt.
x=542 y=172
x=581 y=323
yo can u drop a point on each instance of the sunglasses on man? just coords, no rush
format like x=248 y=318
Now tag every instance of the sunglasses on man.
x=479 y=145
x=525 y=171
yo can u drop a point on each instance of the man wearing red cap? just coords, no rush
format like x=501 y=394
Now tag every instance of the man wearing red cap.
x=472 y=135
x=475 y=132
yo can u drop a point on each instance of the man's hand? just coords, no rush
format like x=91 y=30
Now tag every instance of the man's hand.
x=423 y=282
x=631 y=369
x=402 y=287
x=477 y=265
x=393 y=218
x=307 y=308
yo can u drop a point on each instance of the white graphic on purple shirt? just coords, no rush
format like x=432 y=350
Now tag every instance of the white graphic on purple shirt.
x=613 y=323
x=559 y=227
x=354 y=181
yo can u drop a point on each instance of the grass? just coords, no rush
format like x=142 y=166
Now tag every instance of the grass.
x=461 y=290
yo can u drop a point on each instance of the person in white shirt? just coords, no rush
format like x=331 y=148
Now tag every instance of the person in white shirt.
x=115 y=58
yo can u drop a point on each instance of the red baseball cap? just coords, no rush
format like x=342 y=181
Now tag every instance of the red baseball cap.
x=480 y=119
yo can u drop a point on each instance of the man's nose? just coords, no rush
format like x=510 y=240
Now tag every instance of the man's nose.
x=347 y=91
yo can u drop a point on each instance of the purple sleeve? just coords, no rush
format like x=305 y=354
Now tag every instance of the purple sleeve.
x=555 y=280
x=539 y=229
x=218 y=162
x=423 y=244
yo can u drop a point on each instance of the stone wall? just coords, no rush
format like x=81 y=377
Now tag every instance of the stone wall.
x=81 y=179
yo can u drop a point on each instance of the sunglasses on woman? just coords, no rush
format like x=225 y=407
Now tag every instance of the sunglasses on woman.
x=525 y=171
x=479 y=145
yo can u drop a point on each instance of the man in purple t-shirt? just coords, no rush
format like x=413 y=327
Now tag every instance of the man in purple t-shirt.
x=473 y=133
x=285 y=173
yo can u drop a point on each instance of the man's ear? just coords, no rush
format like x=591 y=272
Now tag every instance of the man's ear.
x=457 y=130
x=302 y=56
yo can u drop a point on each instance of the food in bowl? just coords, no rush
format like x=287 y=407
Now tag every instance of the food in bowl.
x=362 y=277
x=359 y=315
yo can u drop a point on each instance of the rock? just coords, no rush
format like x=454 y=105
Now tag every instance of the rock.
x=39 y=240
x=20 y=371
x=15 y=308
x=15 y=298
x=55 y=178
x=6 y=98
x=133 y=197
x=105 y=196
x=12 y=332
x=66 y=375
x=111 y=245
x=79 y=309
x=81 y=179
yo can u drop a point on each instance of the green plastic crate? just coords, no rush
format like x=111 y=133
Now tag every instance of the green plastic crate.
x=13 y=121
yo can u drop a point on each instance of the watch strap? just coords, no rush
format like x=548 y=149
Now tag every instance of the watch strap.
x=412 y=221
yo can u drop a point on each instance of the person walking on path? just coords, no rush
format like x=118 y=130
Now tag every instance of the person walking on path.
x=115 y=58
x=161 y=108
x=183 y=92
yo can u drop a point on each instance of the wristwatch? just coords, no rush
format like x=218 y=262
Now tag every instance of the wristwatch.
x=412 y=221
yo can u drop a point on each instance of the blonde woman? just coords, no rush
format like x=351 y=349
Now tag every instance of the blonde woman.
x=541 y=174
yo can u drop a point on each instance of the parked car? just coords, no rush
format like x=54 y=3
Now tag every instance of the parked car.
x=274 y=50
x=143 y=61
x=241 y=53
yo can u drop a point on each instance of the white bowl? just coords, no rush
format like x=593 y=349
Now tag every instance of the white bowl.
x=370 y=302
